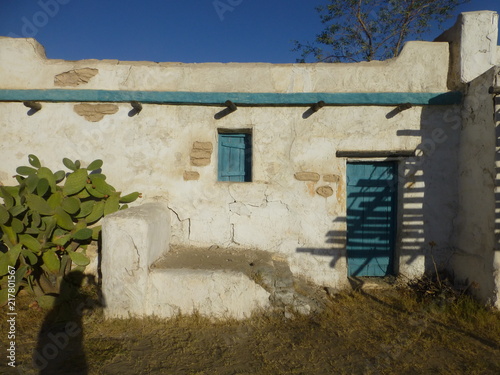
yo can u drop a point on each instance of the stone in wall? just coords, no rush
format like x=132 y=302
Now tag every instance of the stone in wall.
x=325 y=191
x=331 y=178
x=201 y=154
x=95 y=112
x=75 y=77
x=191 y=176
x=307 y=176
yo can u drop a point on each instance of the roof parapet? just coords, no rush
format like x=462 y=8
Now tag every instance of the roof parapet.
x=473 y=46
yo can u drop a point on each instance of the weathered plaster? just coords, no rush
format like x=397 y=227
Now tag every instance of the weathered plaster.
x=307 y=176
x=331 y=178
x=479 y=34
x=473 y=46
x=201 y=154
x=426 y=61
x=213 y=293
x=295 y=205
x=95 y=112
x=475 y=259
x=134 y=239
x=191 y=176
x=75 y=77
x=474 y=240
x=325 y=191
x=275 y=212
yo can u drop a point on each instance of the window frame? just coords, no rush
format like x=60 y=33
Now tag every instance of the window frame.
x=247 y=169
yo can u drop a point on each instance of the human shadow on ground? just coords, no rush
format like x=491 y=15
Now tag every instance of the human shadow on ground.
x=60 y=340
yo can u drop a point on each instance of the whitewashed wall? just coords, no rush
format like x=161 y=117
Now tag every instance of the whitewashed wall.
x=152 y=151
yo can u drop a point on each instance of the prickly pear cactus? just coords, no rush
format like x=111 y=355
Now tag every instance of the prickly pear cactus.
x=47 y=221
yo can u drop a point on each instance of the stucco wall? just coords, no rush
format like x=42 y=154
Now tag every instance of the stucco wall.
x=421 y=67
x=475 y=246
x=448 y=200
x=473 y=46
x=152 y=151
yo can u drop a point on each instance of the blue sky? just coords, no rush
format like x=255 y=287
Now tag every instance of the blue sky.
x=172 y=30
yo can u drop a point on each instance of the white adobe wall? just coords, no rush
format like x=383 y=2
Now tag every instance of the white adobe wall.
x=151 y=152
x=496 y=252
x=473 y=45
x=476 y=257
x=475 y=260
x=479 y=34
x=421 y=67
x=135 y=238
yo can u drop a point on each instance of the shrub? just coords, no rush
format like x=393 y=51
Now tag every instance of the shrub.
x=48 y=220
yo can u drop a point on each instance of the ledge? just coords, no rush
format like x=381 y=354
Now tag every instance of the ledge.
x=375 y=154
x=241 y=99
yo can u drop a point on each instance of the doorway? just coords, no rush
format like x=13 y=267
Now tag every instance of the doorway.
x=371 y=217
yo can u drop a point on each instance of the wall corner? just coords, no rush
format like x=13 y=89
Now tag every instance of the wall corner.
x=473 y=46
x=478 y=44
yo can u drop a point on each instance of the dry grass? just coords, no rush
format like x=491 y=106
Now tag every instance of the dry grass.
x=366 y=332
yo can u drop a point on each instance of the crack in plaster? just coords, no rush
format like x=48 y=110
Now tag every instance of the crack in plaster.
x=232 y=235
x=264 y=204
x=254 y=205
x=294 y=136
x=127 y=77
x=182 y=221
x=267 y=201
x=137 y=264
x=231 y=195
x=175 y=213
x=283 y=203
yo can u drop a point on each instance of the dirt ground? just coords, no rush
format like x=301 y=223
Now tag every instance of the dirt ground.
x=390 y=331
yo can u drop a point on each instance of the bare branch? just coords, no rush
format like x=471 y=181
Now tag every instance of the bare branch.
x=365 y=30
x=373 y=29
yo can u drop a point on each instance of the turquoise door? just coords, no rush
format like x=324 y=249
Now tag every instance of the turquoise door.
x=371 y=218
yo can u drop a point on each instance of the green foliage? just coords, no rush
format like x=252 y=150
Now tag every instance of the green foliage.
x=45 y=223
x=357 y=30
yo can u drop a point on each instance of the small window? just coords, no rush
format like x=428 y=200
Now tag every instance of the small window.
x=235 y=157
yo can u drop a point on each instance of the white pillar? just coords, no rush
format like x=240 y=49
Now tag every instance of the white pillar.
x=132 y=240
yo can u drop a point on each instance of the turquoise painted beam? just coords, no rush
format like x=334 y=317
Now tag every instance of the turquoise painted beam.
x=239 y=98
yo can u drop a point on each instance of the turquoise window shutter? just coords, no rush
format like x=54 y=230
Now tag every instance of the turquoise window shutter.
x=235 y=157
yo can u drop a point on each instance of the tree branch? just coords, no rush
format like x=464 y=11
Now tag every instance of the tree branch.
x=404 y=27
x=350 y=58
x=358 y=30
x=365 y=30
